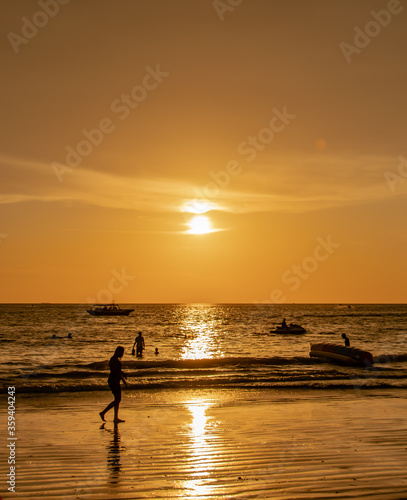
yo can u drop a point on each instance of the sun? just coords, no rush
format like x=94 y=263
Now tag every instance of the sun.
x=199 y=224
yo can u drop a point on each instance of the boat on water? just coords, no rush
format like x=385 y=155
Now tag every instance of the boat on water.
x=108 y=310
x=341 y=354
x=289 y=329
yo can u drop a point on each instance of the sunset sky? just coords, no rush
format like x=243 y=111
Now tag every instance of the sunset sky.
x=282 y=125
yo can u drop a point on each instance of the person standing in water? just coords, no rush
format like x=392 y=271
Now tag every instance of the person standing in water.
x=140 y=345
x=347 y=341
x=116 y=375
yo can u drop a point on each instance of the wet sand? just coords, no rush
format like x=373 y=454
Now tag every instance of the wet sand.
x=210 y=444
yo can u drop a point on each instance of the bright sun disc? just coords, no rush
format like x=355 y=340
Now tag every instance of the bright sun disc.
x=199 y=225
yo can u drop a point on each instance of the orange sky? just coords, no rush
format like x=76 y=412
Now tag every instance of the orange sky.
x=281 y=122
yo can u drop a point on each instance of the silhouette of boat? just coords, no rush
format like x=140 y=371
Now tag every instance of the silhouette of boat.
x=287 y=330
x=341 y=354
x=108 y=310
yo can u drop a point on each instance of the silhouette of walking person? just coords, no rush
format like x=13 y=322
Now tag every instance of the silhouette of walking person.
x=115 y=376
x=347 y=341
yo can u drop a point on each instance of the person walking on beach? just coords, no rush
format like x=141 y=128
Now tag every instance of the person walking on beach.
x=140 y=345
x=115 y=376
x=347 y=341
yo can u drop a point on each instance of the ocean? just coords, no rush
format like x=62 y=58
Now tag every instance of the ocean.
x=200 y=346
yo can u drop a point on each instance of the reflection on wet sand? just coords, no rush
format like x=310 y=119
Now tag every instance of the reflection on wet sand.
x=114 y=448
x=200 y=450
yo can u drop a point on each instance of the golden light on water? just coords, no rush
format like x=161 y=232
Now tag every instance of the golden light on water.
x=198 y=345
x=200 y=325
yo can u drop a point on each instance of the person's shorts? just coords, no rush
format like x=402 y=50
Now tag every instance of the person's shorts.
x=116 y=389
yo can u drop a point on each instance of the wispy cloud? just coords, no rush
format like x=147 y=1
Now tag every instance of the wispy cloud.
x=294 y=185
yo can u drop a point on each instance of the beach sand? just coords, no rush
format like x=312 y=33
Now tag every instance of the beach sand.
x=211 y=444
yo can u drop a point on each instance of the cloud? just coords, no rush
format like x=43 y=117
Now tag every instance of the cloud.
x=292 y=185
x=299 y=183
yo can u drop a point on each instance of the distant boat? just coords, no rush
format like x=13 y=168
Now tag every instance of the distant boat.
x=108 y=310
x=293 y=329
x=341 y=354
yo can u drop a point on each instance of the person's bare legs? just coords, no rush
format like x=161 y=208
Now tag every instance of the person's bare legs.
x=114 y=404
x=117 y=420
x=108 y=407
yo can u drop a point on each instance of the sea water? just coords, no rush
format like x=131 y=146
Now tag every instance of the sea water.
x=199 y=345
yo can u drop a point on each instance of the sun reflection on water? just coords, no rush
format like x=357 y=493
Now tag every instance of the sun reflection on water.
x=200 y=326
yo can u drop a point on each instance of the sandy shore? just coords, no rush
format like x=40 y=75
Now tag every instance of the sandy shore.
x=211 y=445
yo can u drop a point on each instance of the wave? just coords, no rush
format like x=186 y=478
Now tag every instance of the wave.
x=205 y=384
x=190 y=364
x=350 y=314
x=231 y=361
x=276 y=372
x=388 y=358
x=207 y=363
x=197 y=375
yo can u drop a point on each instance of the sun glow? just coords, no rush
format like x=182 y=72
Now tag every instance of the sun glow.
x=198 y=206
x=199 y=225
